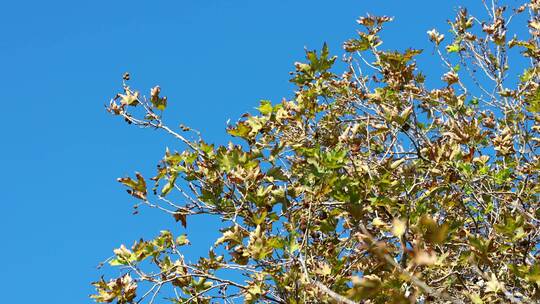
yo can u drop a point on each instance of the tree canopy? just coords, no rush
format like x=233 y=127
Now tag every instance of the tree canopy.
x=366 y=186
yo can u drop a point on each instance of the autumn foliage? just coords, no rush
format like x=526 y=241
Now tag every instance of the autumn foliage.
x=366 y=186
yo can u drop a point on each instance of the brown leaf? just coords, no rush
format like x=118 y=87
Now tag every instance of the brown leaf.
x=181 y=217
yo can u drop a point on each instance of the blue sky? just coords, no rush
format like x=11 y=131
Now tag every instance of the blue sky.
x=61 y=210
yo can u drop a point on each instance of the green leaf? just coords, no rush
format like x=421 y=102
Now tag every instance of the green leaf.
x=182 y=240
x=534 y=102
x=117 y=262
x=527 y=75
x=265 y=108
x=357 y=45
x=293 y=244
x=169 y=185
x=240 y=130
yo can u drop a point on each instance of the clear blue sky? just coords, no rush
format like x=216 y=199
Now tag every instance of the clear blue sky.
x=61 y=210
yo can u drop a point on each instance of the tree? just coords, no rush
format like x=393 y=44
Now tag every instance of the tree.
x=366 y=186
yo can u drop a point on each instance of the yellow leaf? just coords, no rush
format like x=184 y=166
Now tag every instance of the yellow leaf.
x=398 y=227
x=397 y=163
x=475 y=298
x=493 y=285
x=324 y=270
x=378 y=222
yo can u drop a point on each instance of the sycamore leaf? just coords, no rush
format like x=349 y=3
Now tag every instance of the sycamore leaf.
x=158 y=102
x=453 y=48
x=265 y=108
x=398 y=227
x=182 y=240
x=493 y=285
x=475 y=298
x=181 y=217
